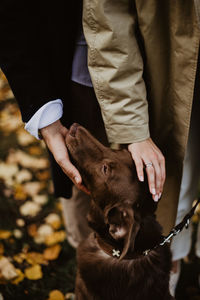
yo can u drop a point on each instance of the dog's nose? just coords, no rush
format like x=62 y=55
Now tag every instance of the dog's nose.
x=73 y=129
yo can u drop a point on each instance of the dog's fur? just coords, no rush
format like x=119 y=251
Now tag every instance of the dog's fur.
x=122 y=216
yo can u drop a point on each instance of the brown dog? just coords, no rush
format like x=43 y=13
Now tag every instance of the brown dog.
x=111 y=262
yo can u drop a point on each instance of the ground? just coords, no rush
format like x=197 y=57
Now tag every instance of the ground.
x=36 y=262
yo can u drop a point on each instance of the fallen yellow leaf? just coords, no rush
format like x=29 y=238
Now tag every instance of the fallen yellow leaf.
x=43 y=175
x=23 y=175
x=19 y=192
x=24 y=138
x=32 y=230
x=43 y=232
x=7 y=269
x=56 y=224
x=52 y=253
x=7 y=170
x=19 y=258
x=32 y=188
x=30 y=208
x=20 y=222
x=9 y=122
x=34 y=272
x=27 y=161
x=56 y=237
x=5 y=234
x=54 y=220
x=19 y=278
x=56 y=295
x=17 y=233
x=40 y=199
x=34 y=258
x=35 y=150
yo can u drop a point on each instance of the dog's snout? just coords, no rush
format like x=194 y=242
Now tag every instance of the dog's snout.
x=73 y=129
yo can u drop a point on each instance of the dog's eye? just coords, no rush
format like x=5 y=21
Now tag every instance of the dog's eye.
x=105 y=169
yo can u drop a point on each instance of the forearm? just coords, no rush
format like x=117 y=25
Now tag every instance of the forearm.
x=116 y=68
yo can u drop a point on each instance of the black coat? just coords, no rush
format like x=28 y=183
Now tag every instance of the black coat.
x=37 y=44
x=36 y=49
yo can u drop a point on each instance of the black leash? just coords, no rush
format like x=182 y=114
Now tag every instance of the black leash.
x=177 y=229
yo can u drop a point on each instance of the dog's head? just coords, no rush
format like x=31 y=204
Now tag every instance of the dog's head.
x=119 y=200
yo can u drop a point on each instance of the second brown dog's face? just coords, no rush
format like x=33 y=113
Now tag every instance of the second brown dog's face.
x=111 y=178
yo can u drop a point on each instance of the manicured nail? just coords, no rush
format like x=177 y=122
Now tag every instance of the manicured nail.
x=153 y=191
x=156 y=198
x=160 y=194
x=141 y=178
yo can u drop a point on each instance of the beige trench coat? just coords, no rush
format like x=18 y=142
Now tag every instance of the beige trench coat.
x=142 y=57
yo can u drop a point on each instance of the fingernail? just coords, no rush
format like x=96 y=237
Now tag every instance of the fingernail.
x=76 y=179
x=153 y=191
x=141 y=178
x=160 y=194
x=156 y=198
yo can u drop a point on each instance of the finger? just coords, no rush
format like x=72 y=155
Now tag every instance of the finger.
x=64 y=131
x=84 y=189
x=60 y=153
x=70 y=170
x=72 y=173
x=163 y=170
x=151 y=178
x=139 y=168
x=158 y=178
x=161 y=162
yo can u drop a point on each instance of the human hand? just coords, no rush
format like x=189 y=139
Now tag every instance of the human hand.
x=146 y=153
x=54 y=137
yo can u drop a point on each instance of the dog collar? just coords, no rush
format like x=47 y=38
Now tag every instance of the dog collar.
x=114 y=251
x=109 y=249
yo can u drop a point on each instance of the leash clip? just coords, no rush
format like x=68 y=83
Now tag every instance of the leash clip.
x=175 y=231
x=187 y=223
x=167 y=239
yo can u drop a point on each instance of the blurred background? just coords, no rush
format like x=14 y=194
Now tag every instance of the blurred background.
x=36 y=262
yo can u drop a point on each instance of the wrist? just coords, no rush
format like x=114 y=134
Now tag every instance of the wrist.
x=51 y=129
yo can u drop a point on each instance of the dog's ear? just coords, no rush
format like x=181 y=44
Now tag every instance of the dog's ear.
x=122 y=225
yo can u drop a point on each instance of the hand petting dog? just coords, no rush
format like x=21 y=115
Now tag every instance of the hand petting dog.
x=144 y=153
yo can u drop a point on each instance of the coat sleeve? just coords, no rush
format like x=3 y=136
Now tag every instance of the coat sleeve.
x=116 y=69
x=20 y=55
x=36 y=49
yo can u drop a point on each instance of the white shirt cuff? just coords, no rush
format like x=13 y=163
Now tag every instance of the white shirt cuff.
x=46 y=115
